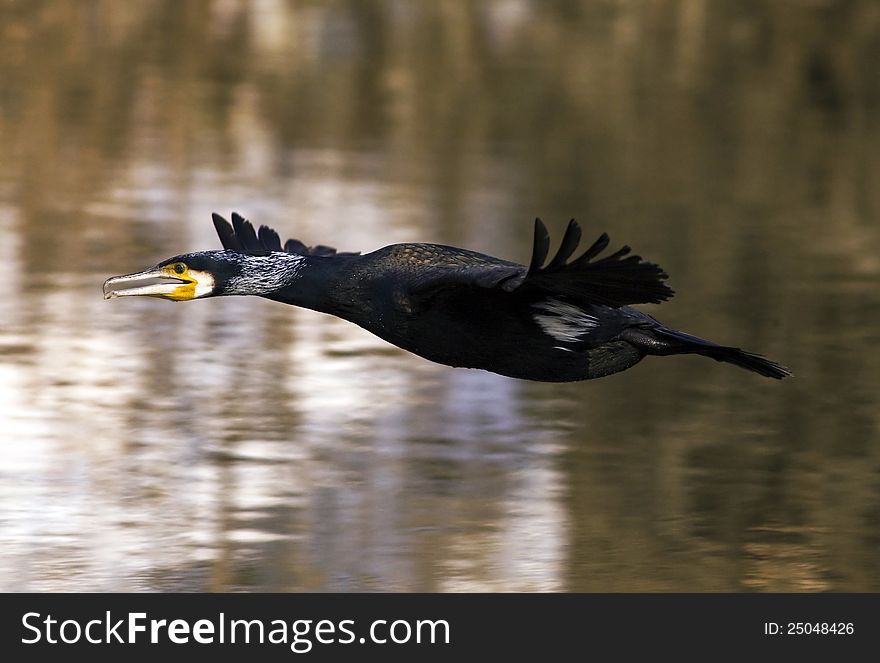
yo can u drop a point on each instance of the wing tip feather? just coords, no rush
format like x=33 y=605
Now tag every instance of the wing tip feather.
x=617 y=279
x=241 y=236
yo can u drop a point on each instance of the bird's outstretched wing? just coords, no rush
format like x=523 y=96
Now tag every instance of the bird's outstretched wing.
x=240 y=236
x=618 y=279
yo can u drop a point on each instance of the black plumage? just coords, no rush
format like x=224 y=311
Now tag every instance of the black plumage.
x=565 y=319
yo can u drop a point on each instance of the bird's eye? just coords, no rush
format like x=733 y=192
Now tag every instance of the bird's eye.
x=179 y=268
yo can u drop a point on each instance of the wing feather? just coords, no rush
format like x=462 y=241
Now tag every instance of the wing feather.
x=570 y=242
x=240 y=236
x=540 y=247
x=616 y=280
x=227 y=235
x=269 y=239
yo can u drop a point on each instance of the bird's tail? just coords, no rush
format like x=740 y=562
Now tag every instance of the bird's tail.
x=665 y=341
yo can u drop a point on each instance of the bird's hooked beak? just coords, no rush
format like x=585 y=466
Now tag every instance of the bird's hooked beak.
x=174 y=282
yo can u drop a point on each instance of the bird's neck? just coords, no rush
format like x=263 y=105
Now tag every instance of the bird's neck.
x=263 y=275
x=309 y=281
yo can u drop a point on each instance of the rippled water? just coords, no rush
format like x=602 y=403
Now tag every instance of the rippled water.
x=239 y=444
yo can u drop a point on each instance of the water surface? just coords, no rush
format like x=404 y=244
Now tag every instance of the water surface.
x=239 y=444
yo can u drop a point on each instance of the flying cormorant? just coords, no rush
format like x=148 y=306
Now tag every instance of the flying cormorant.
x=555 y=321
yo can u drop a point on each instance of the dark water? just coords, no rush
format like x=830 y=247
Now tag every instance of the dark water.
x=238 y=444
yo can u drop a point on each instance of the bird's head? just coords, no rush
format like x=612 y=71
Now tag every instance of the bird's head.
x=181 y=278
x=209 y=274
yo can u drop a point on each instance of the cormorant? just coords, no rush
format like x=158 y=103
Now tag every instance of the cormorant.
x=555 y=321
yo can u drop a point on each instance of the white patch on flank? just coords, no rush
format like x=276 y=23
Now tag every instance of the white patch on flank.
x=265 y=274
x=564 y=322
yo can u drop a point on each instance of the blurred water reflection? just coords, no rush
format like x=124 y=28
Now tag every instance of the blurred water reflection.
x=238 y=444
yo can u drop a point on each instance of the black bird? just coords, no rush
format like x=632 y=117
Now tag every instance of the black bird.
x=557 y=321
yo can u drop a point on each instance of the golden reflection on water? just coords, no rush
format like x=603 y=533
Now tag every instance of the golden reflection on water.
x=236 y=444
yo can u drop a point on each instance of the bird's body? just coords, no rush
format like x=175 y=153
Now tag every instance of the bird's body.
x=567 y=320
x=474 y=327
